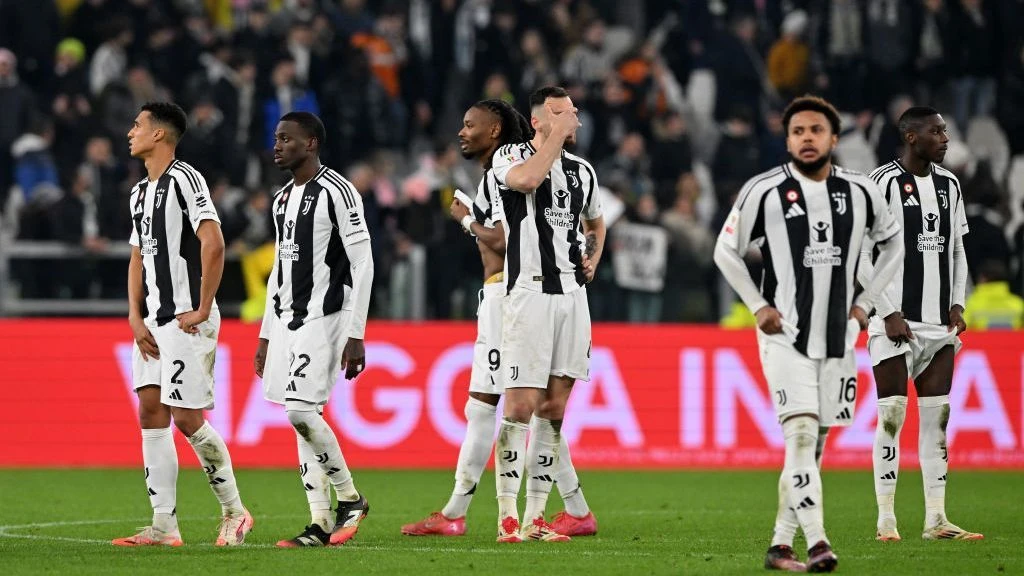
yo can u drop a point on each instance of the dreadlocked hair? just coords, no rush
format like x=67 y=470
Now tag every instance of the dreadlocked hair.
x=515 y=127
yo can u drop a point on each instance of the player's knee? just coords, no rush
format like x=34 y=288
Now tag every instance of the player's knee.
x=188 y=421
x=802 y=430
x=301 y=415
x=518 y=410
x=552 y=409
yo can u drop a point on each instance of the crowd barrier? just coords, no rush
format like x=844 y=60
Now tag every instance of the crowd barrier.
x=659 y=397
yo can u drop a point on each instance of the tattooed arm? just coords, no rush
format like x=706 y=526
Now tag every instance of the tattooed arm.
x=594 y=232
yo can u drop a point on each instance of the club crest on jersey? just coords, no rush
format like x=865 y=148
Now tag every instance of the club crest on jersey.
x=574 y=181
x=943 y=199
x=839 y=198
x=159 y=197
x=307 y=203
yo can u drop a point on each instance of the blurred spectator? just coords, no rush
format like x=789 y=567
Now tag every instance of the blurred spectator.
x=207 y=143
x=738 y=154
x=891 y=45
x=772 y=140
x=630 y=166
x=986 y=209
x=643 y=305
x=70 y=103
x=670 y=156
x=975 y=61
x=75 y=222
x=934 y=52
x=690 y=270
x=538 y=69
x=31 y=30
x=841 y=47
x=886 y=131
x=590 y=61
x=789 y=58
x=739 y=68
x=111 y=60
x=286 y=96
x=992 y=306
x=18 y=105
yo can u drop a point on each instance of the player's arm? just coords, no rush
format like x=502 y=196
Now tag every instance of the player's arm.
x=594 y=231
x=353 y=358
x=493 y=238
x=211 y=251
x=260 y=360
x=958 y=290
x=526 y=176
x=143 y=337
x=740 y=228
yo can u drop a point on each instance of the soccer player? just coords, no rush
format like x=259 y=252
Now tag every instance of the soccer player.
x=318 y=295
x=175 y=269
x=918 y=319
x=488 y=125
x=554 y=237
x=809 y=220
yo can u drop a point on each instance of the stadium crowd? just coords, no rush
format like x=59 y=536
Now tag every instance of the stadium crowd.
x=680 y=103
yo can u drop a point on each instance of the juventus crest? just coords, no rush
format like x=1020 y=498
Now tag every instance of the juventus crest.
x=839 y=199
x=307 y=202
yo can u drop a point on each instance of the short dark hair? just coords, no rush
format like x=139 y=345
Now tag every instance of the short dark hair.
x=310 y=124
x=910 y=119
x=169 y=114
x=993 y=270
x=812 y=104
x=515 y=128
x=540 y=95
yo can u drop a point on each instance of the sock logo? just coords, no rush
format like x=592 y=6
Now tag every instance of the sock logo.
x=333 y=471
x=543 y=478
x=510 y=474
x=890 y=475
x=945 y=454
x=888 y=453
x=216 y=481
x=309 y=487
x=546 y=461
x=801 y=480
x=291 y=387
x=175 y=395
x=942 y=478
x=303 y=468
x=509 y=455
x=209 y=469
x=805 y=503
x=322 y=458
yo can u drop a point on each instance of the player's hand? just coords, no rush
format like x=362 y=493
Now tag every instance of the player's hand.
x=144 y=339
x=897 y=329
x=858 y=314
x=353 y=358
x=565 y=123
x=769 y=320
x=956 y=319
x=189 y=321
x=458 y=210
x=589 y=268
x=261 y=356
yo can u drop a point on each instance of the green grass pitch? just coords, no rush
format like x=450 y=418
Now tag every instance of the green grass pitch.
x=59 y=522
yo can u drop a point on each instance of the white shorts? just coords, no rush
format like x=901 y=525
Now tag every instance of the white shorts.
x=184 y=371
x=545 y=335
x=928 y=340
x=486 y=377
x=304 y=364
x=826 y=388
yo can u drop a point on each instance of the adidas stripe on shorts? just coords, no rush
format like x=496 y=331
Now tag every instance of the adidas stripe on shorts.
x=304 y=364
x=184 y=370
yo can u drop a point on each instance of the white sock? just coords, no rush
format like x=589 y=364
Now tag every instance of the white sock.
x=213 y=455
x=327 y=452
x=314 y=482
x=473 y=456
x=568 y=482
x=509 y=459
x=805 y=494
x=933 y=453
x=885 y=456
x=786 y=523
x=161 y=462
x=541 y=464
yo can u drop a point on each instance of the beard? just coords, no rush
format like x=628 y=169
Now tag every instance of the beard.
x=813 y=165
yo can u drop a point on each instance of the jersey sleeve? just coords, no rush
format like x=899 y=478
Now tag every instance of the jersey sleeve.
x=350 y=217
x=883 y=225
x=959 y=214
x=198 y=202
x=593 y=209
x=504 y=159
x=133 y=238
x=744 y=226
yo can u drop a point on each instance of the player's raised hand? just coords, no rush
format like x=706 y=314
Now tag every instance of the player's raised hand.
x=144 y=339
x=858 y=314
x=353 y=358
x=897 y=329
x=956 y=319
x=458 y=210
x=769 y=320
x=564 y=123
x=260 y=360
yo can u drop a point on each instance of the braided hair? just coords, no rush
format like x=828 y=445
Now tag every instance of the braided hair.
x=515 y=127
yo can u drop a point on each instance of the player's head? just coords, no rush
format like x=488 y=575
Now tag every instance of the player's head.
x=297 y=139
x=924 y=131
x=812 y=131
x=489 y=125
x=157 y=124
x=545 y=101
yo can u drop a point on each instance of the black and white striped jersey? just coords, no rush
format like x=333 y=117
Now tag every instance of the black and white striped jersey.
x=544 y=239
x=810 y=236
x=165 y=217
x=314 y=224
x=931 y=212
x=486 y=205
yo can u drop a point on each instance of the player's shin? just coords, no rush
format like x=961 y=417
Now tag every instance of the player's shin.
x=805 y=496
x=327 y=452
x=541 y=463
x=568 y=482
x=509 y=459
x=316 y=485
x=885 y=457
x=933 y=453
x=786 y=523
x=473 y=455
x=161 y=462
x=213 y=455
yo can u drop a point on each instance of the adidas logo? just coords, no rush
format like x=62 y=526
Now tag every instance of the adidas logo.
x=845 y=414
x=471 y=490
x=806 y=503
x=151 y=491
x=333 y=471
x=942 y=478
x=890 y=475
x=291 y=387
x=544 y=478
x=217 y=480
x=510 y=474
x=911 y=201
x=309 y=487
x=175 y=395
x=795 y=211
